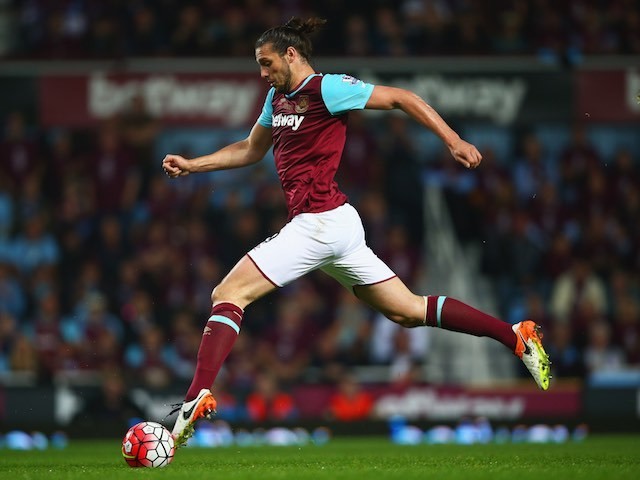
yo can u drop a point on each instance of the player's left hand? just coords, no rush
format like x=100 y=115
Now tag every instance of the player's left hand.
x=465 y=153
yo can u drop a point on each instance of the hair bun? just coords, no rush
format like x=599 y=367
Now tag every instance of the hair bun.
x=309 y=25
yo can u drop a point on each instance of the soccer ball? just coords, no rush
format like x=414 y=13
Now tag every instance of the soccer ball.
x=148 y=444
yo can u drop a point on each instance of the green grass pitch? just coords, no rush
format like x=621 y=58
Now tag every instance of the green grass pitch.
x=606 y=457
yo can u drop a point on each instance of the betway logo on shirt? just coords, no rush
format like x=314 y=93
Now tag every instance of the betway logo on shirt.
x=293 y=121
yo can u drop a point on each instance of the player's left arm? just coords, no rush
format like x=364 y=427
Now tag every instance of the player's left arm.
x=389 y=98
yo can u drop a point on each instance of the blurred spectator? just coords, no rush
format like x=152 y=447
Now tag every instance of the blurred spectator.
x=388 y=36
x=31 y=201
x=575 y=286
x=401 y=351
x=346 y=340
x=188 y=39
x=626 y=327
x=111 y=248
x=58 y=41
x=532 y=170
x=185 y=340
x=558 y=257
x=64 y=164
x=405 y=362
x=245 y=233
x=23 y=357
x=241 y=368
x=209 y=272
x=630 y=33
x=230 y=403
x=510 y=37
x=7 y=33
x=550 y=32
x=115 y=180
x=111 y=404
x=18 y=151
x=139 y=130
x=90 y=322
x=530 y=304
x=234 y=37
x=12 y=295
x=601 y=354
x=6 y=215
x=374 y=211
x=177 y=288
x=524 y=249
x=593 y=34
x=577 y=161
x=36 y=247
x=567 y=358
x=46 y=333
x=268 y=402
x=159 y=198
x=350 y=402
x=8 y=333
x=402 y=178
x=149 y=359
x=468 y=34
x=402 y=254
x=361 y=167
x=285 y=348
x=138 y=313
x=357 y=36
x=547 y=213
x=145 y=37
x=105 y=38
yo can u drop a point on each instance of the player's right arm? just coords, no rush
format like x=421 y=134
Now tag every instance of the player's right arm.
x=239 y=154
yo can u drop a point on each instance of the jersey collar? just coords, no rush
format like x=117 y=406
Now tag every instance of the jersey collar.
x=304 y=82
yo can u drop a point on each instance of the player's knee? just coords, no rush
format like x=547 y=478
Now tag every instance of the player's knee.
x=222 y=293
x=218 y=294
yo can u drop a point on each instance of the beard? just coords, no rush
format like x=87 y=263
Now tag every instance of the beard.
x=285 y=86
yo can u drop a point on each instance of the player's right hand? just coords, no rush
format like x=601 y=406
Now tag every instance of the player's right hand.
x=465 y=153
x=175 y=166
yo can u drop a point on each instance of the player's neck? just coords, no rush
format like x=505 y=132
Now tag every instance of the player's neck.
x=300 y=76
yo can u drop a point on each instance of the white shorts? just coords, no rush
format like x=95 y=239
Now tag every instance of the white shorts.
x=331 y=241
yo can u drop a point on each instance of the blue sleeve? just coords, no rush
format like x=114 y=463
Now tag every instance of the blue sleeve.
x=267 y=110
x=342 y=93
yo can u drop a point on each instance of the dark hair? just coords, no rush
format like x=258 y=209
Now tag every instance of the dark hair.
x=294 y=33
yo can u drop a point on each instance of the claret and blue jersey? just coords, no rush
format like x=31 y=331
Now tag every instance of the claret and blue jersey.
x=309 y=132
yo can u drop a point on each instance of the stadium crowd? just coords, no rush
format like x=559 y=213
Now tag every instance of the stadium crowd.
x=104 y=262
x=74 y=29
x=106 y=265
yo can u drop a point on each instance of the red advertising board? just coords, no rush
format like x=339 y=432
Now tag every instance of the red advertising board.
x=231 y=100
x=443 y=403
x=236 y=99
x=608 y=95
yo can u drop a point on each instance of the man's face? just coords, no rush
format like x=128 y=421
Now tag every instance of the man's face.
x=274 y=68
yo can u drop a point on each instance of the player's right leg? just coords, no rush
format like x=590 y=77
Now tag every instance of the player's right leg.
x=279 y=260
x=244 y=284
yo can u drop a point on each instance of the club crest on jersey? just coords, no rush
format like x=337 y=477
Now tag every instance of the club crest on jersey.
x=293 y=121
x=302 y=104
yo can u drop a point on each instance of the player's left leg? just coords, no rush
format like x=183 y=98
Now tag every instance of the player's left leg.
x=393 y=299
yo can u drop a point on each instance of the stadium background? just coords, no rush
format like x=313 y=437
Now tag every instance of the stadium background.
x=106 y=266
